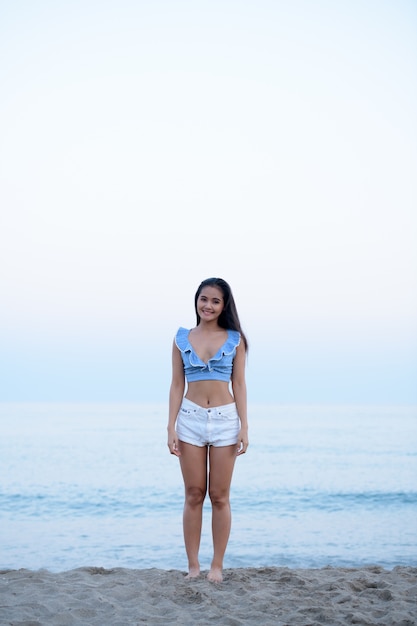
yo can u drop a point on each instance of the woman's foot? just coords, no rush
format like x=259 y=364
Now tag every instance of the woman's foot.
x=194 y=572
x=215 y=575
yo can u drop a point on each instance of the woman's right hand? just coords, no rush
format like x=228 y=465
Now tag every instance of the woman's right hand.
x=173 y=444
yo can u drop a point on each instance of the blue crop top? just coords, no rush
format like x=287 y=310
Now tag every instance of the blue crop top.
x=219 y=367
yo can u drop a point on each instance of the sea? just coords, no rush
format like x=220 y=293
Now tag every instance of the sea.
x=94 y=485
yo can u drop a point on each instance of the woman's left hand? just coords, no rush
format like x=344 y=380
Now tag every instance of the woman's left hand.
x=242 y=442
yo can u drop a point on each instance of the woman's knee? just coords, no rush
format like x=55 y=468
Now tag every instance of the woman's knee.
x=195 y=496
x=219 y=499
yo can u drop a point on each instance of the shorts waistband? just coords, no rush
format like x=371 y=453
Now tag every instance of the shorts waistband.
x=192 y=405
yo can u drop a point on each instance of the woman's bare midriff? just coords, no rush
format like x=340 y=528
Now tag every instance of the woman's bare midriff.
x=209 y=393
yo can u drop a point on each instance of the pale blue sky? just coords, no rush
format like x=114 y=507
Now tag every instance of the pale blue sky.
x=148 y=145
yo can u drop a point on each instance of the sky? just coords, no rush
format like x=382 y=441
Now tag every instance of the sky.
x=146 y=146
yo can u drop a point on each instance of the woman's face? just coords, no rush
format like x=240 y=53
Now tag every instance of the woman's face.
x=210 y=303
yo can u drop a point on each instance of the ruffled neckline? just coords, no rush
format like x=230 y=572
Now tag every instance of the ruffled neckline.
x=183 y=343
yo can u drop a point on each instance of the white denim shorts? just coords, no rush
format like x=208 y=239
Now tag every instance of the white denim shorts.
x=216 y=426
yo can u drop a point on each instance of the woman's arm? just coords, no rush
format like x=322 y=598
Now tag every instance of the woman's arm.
x=176 y=393
x=239 y=393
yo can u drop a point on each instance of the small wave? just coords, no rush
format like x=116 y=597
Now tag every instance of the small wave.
x=307 y=500
x=80 y=505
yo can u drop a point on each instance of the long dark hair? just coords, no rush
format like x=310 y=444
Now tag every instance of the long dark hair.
x=228 y=318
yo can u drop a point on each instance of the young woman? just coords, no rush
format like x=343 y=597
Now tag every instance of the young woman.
x=208 y=427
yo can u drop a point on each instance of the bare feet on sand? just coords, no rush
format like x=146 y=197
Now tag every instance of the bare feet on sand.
x=215 y=575
x=194 y=572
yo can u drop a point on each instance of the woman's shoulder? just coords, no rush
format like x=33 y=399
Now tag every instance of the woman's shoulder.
x=181 y=338
x=233 y=340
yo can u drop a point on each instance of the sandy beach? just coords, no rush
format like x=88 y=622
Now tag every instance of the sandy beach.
x=261 y=596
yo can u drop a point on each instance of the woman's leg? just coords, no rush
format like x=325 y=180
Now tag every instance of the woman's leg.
x=222 y=461
x=193 y=462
